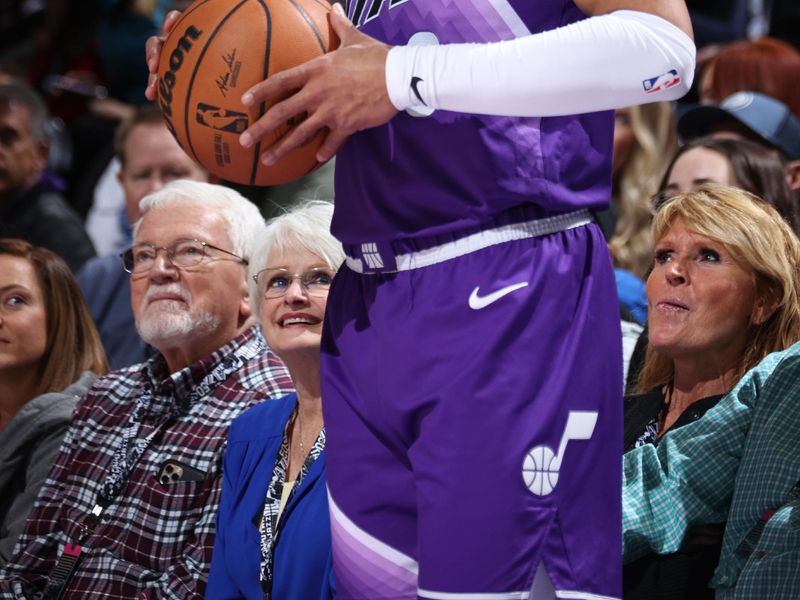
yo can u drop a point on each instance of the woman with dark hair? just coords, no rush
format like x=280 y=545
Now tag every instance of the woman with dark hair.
x=723 y=293
x=736 y=162
x=50 y=354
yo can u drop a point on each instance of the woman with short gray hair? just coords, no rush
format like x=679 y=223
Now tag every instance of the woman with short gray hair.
x=273 y=531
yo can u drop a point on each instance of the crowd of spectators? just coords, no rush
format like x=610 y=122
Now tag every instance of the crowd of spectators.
x=95 y=228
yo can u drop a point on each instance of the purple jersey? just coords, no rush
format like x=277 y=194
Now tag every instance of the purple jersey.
x=427 y=175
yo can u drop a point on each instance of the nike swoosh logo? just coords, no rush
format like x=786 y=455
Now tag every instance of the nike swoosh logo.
x=477 y=302
x=414 y=82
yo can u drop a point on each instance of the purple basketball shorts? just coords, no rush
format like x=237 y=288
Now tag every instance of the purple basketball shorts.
x=473 y=410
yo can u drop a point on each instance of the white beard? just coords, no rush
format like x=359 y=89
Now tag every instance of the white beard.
x=172 y=323
x=177 y=328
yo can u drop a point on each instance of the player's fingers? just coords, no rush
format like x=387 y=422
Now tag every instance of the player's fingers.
x=342 y=26
x=333 y=141
x=276 y=85
x=276 y=115
x=297 y=136
x=170 y=19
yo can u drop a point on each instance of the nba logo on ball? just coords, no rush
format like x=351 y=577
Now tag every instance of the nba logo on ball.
x=541 y=466
x=216 y=51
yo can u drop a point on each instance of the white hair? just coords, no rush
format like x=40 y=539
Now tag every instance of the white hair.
x=243 y=220
x=305 y=226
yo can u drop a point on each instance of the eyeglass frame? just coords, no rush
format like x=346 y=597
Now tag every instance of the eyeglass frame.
x=294 y=276
x=170 y=254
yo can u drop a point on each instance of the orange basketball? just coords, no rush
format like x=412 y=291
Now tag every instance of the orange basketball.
x=218 y=50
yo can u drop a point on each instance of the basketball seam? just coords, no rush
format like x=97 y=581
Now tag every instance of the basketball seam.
x=323 y=4
x=194 y=76
x=313 y=27
x=267 y=50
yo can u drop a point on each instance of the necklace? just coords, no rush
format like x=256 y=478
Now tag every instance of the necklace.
x=300 y=428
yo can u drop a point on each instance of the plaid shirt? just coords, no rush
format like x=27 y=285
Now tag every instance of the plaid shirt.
x=740 y=463
x=154 y=540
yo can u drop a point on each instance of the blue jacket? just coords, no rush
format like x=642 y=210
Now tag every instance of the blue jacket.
x=107 y=289
x=302 y=556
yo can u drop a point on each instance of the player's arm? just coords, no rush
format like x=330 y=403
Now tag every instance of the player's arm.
x=627 y=52
x=603 y=62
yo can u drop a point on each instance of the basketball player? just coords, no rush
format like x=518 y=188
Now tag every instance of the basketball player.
x=472 y=358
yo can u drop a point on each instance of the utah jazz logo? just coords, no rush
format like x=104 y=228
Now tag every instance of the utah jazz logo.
x=363 y=11
x=541 y=467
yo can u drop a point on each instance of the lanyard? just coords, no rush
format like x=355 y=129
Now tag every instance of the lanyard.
x=128 y=453
x=268 y=528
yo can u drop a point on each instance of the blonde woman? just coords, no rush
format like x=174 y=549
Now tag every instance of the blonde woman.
x=722 y=294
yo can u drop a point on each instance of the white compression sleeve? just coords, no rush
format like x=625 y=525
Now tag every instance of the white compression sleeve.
x=609 y=61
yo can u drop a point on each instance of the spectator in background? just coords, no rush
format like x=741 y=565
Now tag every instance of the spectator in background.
x=273 y=534
x=764 y=65
x=137 y=482
x=734 y=162
x=752 y=116
x=644 y=139
x=718 y=21
x=28 y=209
x=50 y=354
x=150 y=158
x=723 y=293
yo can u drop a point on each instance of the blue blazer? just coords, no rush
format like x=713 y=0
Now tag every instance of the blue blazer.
x=302 y=556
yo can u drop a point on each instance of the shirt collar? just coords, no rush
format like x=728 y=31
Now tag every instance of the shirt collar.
x=168 y=389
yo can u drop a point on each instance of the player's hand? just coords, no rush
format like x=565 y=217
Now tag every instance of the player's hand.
x=342 y=92
x=152 y=51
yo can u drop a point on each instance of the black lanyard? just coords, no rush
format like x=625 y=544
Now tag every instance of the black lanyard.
x=128 y=454
x=268 y=528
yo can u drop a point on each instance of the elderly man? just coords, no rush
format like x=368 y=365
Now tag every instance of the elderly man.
x=28 y=209
x=128 y=510
x=150 y=158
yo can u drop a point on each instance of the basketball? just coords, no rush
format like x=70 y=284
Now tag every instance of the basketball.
x=216 y=51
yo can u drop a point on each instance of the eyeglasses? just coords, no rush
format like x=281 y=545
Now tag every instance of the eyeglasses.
x=315 y=282
x=180 y=253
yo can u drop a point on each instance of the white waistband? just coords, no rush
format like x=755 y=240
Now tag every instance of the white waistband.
x=479 y=241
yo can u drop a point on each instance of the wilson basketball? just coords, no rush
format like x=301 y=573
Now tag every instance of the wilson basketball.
x=217 y=51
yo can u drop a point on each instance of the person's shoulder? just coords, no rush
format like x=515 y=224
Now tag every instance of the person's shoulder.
x=265 y=419
x=53 y=205
x=268 y=409
x=778 y=366
x=102 y=269
x=264 y=373
x=780 y=372
x=114 y=388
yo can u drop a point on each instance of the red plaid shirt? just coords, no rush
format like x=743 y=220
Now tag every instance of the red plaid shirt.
x=154 y=540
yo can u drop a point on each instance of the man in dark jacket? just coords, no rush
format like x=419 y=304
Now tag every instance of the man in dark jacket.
x=28 y=209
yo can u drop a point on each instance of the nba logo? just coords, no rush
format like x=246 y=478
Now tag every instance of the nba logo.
x=662 y=82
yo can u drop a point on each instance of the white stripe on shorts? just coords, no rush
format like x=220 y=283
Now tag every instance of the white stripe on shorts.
x=483 y=239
